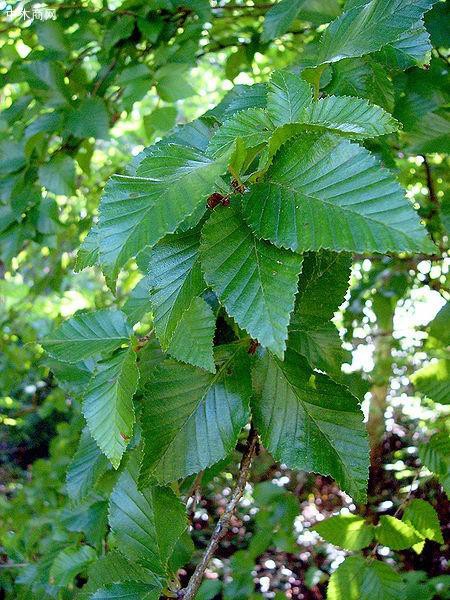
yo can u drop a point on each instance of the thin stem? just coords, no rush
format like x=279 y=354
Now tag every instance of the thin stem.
x=224 y=522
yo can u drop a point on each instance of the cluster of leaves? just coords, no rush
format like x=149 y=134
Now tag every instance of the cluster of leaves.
x=242 y=224
x=364 y=578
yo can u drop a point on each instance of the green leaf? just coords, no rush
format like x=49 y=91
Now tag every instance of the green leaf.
x=112 y=568
x=381 y=582
x=309 y=422
x=209 y=589
x=69 y=562
x=161 y=119
x=89 y=119
x=255 y=281
x=424 y=519
x=323 y=282
x=175 y=271
x=318 y=342
x=279 y=18
x=139 y=211
x=366 y=27
x=192 y=341
x=191 y=418
x=345 y=582
x=435 y=455
x=325 y=192
x=356 y=579
x=108 y=404
x=439 y=327
x=287 y=98
x=434 y=381
x=350 y=532
x=58 y=175
x=130 y=590
x=172 y=82
x=396 y=534
x=253 y=126
x=147 y=523
x=353 y=117
x=322 y=286
x=122 y=27
x=87 y=255
x=239 y=98
x=88 y=464
x=87 y=334
x=413 y=48
x=89 y=518
x=138 y=301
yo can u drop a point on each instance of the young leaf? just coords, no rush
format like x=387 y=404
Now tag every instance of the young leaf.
x=345 y=582
x=396 y=534
x=139 y=211
x=108 y=404
x=367 y=26
x=356 y=579
x=192 y=341
x=423 y=518
x=352 y=117
x=87 y=465
x=87 y=334
x=147 y=523
x=309 y=422
x=253 y=126
x=325 y=192
x=288 y=97
x=255 y=281
x=175 y=271
x=191 y=418
x=347 y=531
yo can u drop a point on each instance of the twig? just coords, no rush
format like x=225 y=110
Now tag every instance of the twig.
x=224 y=522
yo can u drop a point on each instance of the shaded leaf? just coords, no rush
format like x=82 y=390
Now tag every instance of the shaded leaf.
x=147 y=523
x=309 y=422
x=255 y=281
x=175 y=271
x=192 y=341
x=87 y=465
x=192 y=418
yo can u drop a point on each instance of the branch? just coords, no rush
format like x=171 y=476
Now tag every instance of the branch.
x=224 y=522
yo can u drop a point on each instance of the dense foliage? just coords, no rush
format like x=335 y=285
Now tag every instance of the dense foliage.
x=202 y=296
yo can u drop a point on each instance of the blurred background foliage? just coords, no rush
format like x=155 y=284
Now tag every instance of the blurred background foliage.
x=80 y=96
